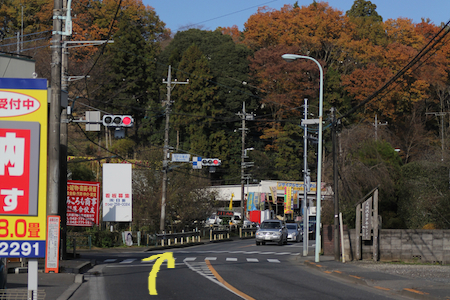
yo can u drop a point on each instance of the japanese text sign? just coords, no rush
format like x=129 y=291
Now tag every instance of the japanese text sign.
x=82 y=203
x=23 y=167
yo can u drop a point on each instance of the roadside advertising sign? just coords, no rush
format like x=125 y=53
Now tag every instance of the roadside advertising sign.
x=52 y=257
x=299 y=186
x=117 y=193
x=83 y=199
x=23 y=167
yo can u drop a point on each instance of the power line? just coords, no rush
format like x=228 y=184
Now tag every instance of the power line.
x=107 y=39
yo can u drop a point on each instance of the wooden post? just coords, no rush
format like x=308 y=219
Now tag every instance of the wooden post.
x=358 y=232
x=375 y=226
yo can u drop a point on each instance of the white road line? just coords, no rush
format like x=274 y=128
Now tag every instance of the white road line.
x=231 y=259
x=252 y=260
x=109 y=260
x=210 y=258
x=135 y=266
x=283 y=253
x=127 y=261
x=267 y=253
x=272 y=260
x=190 y=258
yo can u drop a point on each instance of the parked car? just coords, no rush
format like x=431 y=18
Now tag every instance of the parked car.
x=272 y=231
x=294 y=232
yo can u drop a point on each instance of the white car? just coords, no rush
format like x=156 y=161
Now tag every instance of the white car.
x=294 y=232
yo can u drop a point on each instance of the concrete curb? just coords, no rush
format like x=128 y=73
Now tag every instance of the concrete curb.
x=79 y=278
x=408 y=292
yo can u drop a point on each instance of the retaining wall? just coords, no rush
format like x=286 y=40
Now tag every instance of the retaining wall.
x=409 y=245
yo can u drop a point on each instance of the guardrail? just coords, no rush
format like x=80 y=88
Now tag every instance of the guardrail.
x=246 y=231
x=74 y=241
x=173 y=238
x=218 y=234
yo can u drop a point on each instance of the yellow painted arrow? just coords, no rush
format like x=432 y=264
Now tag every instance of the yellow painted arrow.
x=160 y=258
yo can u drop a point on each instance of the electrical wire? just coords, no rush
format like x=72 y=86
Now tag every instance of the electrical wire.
x=107 y=39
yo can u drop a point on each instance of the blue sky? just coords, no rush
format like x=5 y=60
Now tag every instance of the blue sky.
x=210 y=14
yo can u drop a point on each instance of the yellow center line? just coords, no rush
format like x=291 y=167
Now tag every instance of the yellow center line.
x=232 y=288
x=354 y=276
x=416 y=291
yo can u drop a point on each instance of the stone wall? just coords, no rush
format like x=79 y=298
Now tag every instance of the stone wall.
x=409 y=245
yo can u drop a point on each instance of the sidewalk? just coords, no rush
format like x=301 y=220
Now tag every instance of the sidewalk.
x=61 y=286
x=354 y=272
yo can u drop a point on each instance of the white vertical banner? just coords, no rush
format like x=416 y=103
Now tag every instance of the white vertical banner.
x=117 y=193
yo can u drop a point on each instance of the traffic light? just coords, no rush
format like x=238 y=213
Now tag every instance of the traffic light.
x=118 y=121
x=211 y=162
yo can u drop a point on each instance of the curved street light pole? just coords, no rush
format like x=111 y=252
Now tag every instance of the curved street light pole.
x=292 y=57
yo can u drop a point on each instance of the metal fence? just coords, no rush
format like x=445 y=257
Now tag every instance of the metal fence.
x=167 y=239
x=21 y=294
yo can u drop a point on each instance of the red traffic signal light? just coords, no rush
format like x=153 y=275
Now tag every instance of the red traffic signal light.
x=211 y=162
x=117 y=121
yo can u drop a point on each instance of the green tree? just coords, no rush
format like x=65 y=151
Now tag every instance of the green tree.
x=368 y=24
x=228 y=78
x=132 y=86
x=195 y=104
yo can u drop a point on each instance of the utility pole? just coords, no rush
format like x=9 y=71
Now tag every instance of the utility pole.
x=305 y=181
x=63 y=147
x=376 y=127
x=169 y=83
x=244 y=116
x=337 y=253
x=55 y=113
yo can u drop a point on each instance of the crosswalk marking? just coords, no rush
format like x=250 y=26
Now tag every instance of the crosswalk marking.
x=210 y=258
x=190 y=258
x=128 y=261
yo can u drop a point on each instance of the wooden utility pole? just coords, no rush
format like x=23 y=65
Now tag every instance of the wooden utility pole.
x=63 y=142
x=55 y=113
x=169 y=83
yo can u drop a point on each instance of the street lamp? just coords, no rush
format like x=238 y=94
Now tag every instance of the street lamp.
x=290 y=58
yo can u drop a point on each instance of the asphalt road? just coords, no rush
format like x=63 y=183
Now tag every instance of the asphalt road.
x=231 y=270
